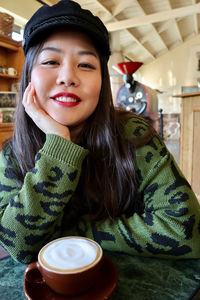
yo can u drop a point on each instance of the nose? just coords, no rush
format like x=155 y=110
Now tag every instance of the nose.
x=67 y=76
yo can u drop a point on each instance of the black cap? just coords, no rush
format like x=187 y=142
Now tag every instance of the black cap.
x=66 y=13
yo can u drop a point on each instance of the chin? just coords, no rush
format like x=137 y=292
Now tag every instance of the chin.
x=61 y=120
x=67 y=123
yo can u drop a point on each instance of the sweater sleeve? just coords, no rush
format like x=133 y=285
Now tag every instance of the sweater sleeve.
x=169 y=227
x=31 y=214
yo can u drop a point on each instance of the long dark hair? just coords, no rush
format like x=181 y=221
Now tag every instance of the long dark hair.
x=108 y=182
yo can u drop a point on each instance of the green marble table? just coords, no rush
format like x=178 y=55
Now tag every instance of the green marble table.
x=139 y=278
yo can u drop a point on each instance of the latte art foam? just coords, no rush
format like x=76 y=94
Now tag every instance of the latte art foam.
x=69 y=254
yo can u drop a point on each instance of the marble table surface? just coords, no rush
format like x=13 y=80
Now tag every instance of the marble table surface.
x=139 y=278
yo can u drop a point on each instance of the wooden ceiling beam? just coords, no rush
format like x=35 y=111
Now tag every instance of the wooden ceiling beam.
x=132 y=35
x=164 y=26
x=196 y=24
x=176 y=24
x=100 y=3
x=122 y=5
x=196 y=20
x=154 y=18
x=129 y=56
x=153 y=27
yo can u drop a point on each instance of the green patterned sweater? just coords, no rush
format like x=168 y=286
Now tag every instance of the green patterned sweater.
x=35 y=212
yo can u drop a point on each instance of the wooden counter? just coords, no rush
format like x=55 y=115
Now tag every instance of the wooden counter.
x=190 y=139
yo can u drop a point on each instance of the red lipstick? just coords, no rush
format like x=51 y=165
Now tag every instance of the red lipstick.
x=66 y=99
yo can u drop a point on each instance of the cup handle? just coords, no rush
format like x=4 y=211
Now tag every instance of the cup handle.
x=32 y=273
x=15 y=72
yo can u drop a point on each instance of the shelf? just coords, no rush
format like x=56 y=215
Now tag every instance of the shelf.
x=11 y=55
x=193 y=94
x=9 y=43
x=9 y=76
x=4 y=126
x=6 y=131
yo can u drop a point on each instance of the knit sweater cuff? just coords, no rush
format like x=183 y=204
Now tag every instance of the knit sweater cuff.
x=64 y=150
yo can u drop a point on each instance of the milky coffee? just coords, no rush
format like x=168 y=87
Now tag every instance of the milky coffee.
x=70 y=255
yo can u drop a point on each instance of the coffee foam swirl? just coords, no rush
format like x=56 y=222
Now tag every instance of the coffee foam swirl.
x=69 y=254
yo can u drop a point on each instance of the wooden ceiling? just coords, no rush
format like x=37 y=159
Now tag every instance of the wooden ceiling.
x=146 y=29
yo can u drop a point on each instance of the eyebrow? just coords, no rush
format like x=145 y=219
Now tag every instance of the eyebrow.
x=81 y=52
x=86 y=52
x=51 y=49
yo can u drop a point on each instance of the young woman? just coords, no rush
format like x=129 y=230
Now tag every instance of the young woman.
x=78 y=166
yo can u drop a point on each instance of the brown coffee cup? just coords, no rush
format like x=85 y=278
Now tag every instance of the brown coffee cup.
x=69 y=265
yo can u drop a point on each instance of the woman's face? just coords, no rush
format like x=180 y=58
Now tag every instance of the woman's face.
x=67 y=77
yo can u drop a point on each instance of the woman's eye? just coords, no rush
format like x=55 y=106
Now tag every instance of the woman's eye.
x=50 y=62
x=87 y=66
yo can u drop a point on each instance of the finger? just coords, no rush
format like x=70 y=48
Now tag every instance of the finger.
x=29 y=102
x=27 y=90
x=30 y=97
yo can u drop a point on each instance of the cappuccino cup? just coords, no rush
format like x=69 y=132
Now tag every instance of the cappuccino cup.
x=69 y=265
x=12 y=71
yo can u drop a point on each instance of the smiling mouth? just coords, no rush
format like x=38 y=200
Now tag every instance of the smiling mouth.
x=65 y=99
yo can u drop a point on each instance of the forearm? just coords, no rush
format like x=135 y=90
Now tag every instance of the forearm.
x=156 y=235
x=169 y=225
x=32 y=214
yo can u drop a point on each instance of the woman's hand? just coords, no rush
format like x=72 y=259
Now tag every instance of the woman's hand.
x=40 y=117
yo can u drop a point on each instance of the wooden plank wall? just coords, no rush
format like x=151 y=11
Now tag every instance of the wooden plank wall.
x=196 y=152
x=190 y=141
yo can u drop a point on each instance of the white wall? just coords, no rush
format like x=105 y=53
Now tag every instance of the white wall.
x=173 y=70
x=169 y=73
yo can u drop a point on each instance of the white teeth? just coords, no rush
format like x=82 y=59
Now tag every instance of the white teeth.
x=66 y=99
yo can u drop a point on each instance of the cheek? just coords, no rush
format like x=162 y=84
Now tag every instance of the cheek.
x=38 y=83
x=36 y=80
x=96 y=89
